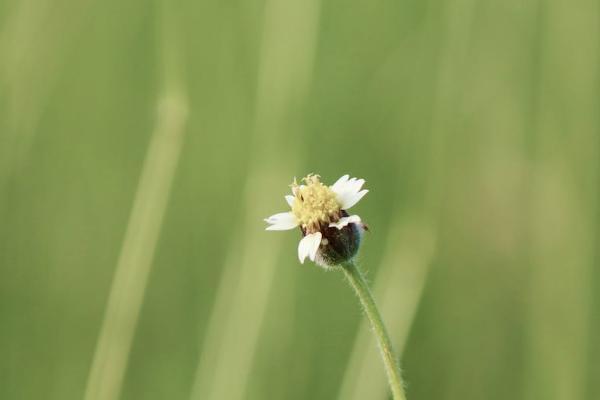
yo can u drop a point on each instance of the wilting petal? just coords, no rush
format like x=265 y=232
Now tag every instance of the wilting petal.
x=353 y=219
x=308 y=246
x=281 y=222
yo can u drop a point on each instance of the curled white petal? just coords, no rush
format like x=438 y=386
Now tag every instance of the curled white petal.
x=281 y=222
x=348 y=199
x=314 y=245
x=290 y=199
x=353 y=219
x=308 y=246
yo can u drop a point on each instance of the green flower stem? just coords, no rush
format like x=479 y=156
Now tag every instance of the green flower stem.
x=358 y=283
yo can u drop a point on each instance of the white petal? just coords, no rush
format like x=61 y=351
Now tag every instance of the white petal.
x=348 y=188
x=353 y=219
x=348 y=199
x=281 y=222
x=353 y=185
x=308 y=246
x=340 y=183
x=343 y=187
x=290 y=200
x=358 y=185
x=303 y=249
x=316 y=242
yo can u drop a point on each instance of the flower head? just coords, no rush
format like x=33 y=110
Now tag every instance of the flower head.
x=330 y=235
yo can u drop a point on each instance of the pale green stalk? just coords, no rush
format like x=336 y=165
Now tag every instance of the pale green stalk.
x=29 y=71
x=284 y=74
x=126 y=295
x=361 y=288
x=562 y=247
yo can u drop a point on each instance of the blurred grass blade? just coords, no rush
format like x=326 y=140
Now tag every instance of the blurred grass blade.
x=560 y=290
x=143 y=229
x=411 y=245
x=287 y=52
x=564 y=202
x=398 y=288
x=33 y=45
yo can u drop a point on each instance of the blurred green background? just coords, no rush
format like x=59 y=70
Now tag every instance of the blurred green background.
x=142 y=143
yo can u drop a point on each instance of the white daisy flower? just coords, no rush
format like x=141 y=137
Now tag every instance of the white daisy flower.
x=330 y=235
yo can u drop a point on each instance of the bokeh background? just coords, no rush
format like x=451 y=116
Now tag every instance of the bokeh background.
x=142 y=143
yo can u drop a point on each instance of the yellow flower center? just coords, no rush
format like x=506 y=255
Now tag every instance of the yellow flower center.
x=314 y=203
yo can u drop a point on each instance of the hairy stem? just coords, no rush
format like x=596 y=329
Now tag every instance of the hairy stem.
x=358 y=283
